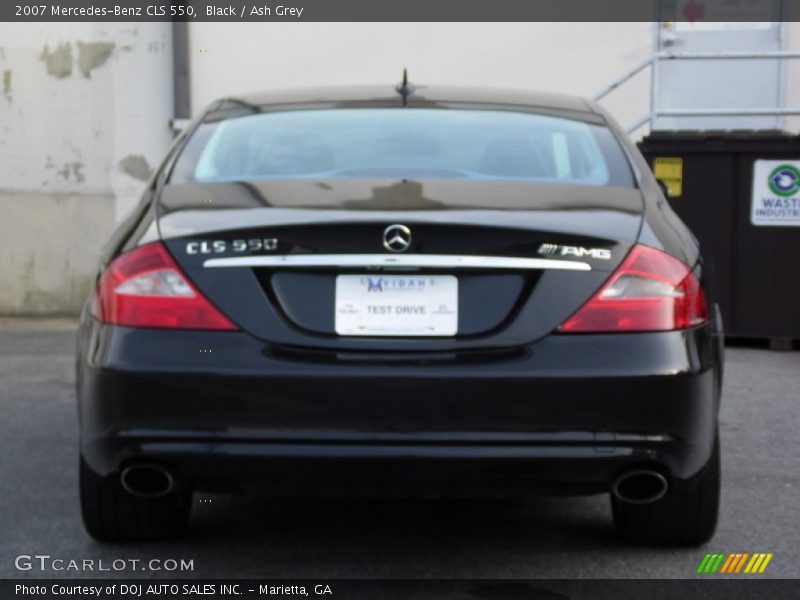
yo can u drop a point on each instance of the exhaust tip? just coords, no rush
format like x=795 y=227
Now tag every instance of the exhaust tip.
x=147 y=480
x=641 y=486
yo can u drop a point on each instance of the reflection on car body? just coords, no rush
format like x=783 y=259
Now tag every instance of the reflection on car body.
x=255 y=328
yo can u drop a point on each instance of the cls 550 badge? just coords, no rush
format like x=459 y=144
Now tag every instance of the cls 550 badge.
x=222 y=246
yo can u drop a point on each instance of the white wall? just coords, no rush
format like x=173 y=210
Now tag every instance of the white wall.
x=574 y=58
x=84 y=110
x=792 y=31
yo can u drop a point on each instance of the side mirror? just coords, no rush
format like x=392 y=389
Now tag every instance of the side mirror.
x=664 y=188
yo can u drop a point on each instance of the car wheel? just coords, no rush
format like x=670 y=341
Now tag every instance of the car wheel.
x=685 y=516
x=111 y=514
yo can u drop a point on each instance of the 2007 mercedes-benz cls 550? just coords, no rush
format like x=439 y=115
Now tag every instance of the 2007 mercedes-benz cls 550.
x=398 y=292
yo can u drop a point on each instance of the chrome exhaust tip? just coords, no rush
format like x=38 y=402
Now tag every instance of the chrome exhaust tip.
x=640 y=486
x=147 y=480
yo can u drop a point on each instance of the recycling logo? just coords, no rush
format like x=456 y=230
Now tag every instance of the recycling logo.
x=784 y=180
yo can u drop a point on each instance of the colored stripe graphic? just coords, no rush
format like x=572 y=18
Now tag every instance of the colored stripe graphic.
x=704 y=563
x=715 y=563
x=759 y=563
x=728 y=564
x=742 y=560
x=722 y=563
x=718 y=564
x=764 y=564
x=712 y=558
x=734 y=560
x=754 y=563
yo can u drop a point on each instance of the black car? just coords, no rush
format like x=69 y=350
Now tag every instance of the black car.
x=400 y=292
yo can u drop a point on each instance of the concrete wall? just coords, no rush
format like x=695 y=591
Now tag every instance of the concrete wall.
x=50 y=243
x=575 y=58
x=84 y=109
x=792 y=32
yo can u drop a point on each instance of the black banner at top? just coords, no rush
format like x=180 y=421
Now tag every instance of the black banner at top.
x=690 y=11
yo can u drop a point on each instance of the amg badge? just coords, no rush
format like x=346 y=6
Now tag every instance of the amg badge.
x=577 y=251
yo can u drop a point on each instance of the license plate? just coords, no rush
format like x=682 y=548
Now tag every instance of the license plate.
x=395 y=305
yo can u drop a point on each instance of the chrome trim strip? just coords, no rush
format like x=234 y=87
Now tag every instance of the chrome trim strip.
x=448 y=261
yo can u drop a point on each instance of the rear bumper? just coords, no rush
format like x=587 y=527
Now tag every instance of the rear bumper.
x=230 y=413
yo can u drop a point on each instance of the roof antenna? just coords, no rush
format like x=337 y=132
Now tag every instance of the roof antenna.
x=405 y=89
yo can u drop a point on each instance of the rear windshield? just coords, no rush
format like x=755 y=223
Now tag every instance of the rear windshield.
x=410 y=143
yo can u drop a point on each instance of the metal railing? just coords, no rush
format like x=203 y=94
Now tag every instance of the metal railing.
x=655 y=112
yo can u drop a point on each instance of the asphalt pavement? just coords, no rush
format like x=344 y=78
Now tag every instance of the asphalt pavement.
x=234 y=536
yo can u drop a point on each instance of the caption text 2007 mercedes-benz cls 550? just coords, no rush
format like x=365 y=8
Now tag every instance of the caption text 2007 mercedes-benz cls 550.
x=380 y=291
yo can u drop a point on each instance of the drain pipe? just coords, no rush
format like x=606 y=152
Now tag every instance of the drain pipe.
x=181 y=66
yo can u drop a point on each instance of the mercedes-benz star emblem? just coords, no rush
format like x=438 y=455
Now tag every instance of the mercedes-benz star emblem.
x=396 y=238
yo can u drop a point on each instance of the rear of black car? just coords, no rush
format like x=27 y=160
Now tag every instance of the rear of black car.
x=365 y=298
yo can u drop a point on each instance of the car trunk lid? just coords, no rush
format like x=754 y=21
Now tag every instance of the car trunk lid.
x=269 y=253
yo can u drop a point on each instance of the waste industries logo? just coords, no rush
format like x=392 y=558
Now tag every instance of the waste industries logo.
x=785 y=180
x=736 y=563
x=776 y=193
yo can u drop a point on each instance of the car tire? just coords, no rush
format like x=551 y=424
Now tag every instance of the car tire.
x=685 y=516
x=111 y=514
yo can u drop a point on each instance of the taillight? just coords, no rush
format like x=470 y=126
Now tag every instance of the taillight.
x=650 y=291
x=146 y=288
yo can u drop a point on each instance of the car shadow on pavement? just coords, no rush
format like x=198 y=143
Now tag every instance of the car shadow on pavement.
x=396 y=537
